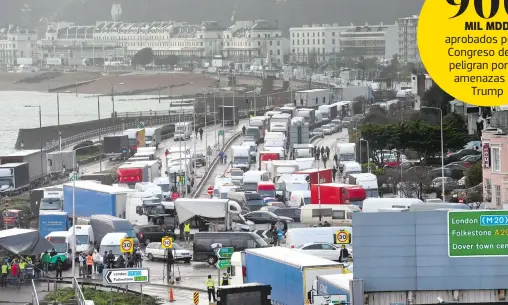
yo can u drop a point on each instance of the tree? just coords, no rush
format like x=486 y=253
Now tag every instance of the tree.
x=380 y=137
x=437 y=97
x=358 y=104
x=474 y=175
x=143 y=57
x=416 y=181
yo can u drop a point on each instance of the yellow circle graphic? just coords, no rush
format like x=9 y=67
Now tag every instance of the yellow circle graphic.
x=464 y=47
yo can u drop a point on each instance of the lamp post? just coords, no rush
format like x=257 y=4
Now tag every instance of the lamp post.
x=368 y=152
x=442 y=148
x=74 y=177
x=40 y=126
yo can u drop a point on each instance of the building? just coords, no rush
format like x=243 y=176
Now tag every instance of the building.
x=379 y=41
x=16 y=42
x=408 y=46
x=319 y=39
x=255 y=42
x=495 y=171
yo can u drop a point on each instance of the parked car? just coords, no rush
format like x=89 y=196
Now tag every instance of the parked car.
x=324 y=250
x=327 y=129
x=471 y=158
x=293 y=213
x=265 y=217
x=462 y=181
x=337 y=123
x=148 y=233
x=449 y=183
x=155 y=251
x=317 y=132
x=436 y=172
x=335 y=128
x=458 y=165
x=200 y=159
x=456 y=156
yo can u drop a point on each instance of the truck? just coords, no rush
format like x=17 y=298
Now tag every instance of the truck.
x=299 y=131
x=267 y=156
x=133 y=173
x=54 y=61
x=317 y=176
x=300 y=270
x=289 y=110
x=228 y=115
x=27 y=61
x=92 y=198
x=153 y=137
x=14 y=178
x=61 y=162
x=337 y=193
x=53 y=221
x=308 y=115
x=368 y=181
x=312 y=98
x=261 y=122
x=325 y=113
x=302 y=151
x=153 y=169
x=105 y=178
x=103 y=224
x=183 y=131
x=334 y=286
x=136 y=138
x=280 y=123
x=241 y=157
x=255 y=132
x=84 y=238
x=116 y=147
x=276 y=168
x=346 y=152
x=37 y=164
x=143 y=208
x=52 y=199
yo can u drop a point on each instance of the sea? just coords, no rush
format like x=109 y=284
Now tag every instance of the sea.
x=14 y=115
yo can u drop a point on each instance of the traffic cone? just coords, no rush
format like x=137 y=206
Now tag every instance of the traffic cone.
x=307 y=301
x=171 y=296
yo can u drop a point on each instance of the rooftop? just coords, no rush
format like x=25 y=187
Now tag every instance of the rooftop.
x=292 y=257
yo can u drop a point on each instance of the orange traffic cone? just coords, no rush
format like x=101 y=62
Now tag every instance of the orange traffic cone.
x=171 y=296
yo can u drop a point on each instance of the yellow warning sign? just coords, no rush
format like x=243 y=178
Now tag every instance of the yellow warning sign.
x=342 y=237
x=127 y=245
x=196 y=298
x=167 y=242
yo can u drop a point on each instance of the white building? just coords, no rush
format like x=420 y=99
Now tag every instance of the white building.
x=321 y=39
x=16 y=42
x=369 y=41
x=254 y=42
x=408 y=46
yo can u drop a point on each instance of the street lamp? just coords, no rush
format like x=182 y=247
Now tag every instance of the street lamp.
x=40 y=126
x=442 y=148
x=74 y=177
x=368 y=152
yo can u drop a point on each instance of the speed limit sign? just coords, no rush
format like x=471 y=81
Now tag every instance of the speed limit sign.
x=342 y=237
x=167 y=242
x=127 y=245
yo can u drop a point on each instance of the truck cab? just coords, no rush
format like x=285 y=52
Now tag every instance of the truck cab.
x=253 y=149
x=61 y=244
x=163 y=183
x=136 y=138
x=153 y=136
x=53 y=199
x=241 y=157
x=183 y=131
x=143 y=209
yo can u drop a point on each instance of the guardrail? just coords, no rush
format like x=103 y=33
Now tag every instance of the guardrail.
x=199 y=186
x=35 y=297
x=314 y=138
x=77 y=290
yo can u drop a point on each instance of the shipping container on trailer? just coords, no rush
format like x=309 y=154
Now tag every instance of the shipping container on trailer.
x=312 y=98
x=133 y=173
x=336 y=193
x=14 y=178
x=61 y=161
x=266 y=265
x=36 y=159
x=324 y=175
x=114 y=145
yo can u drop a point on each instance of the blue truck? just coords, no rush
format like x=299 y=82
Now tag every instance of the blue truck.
x=52 y=221
x=291 y=273
x=93 y=198
x=335 y=287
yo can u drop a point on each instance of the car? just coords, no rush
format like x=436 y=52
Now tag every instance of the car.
x=317 y=132
x=279 y=204
x=471 y=158
x=148 y=233
x=293 y=213
x=265 y=217
x=456 y=156
x=335 y=128
x=200 y=159
x=155 y=251
x=324 y=250
x=327 y=129
x=449 y=183
x=437 y=172
x=346 y=120
x=267 y=200
x=338 y=124
x=269 y=208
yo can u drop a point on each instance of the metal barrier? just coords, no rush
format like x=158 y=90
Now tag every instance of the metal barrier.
x=201 y=183
x=35 y=297
x=79 y=294
x=314 y=138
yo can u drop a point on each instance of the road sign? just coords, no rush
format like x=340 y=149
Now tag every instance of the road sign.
x=342 y=237
x=477 y=233
x=225 y=252
x=167 y=242
x=221 y=132
x=126 y=276
x=181 y=179
x=73 y=176
x=141 y=125
x=223 y=263
x=127 y=245
x=210 y=190
x=196 y=298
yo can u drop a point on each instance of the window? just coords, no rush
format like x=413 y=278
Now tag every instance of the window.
x=270 y=42
x=323 y=212
x=313 y=247
x=340 y=214
x=497 y=195
x=496 y=158
x=333 y=33
x=488 y=189
x=328 y=247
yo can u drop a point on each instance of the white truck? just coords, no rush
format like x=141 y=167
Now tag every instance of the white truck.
x=142 y=208
x=280 y=122
x=53 y=198
x=312 y=97
x=153 y=168
x=183 y=131
x=368 y=181
x=153 y=136
x=241 y=157
x=150 y=187
x=84 y=238
x=325 y=113
x=346 y=152
x=163 y=183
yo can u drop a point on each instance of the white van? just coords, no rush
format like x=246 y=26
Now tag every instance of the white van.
x=334 y=214
x=299 y=236
x=220 y=191
x=299 y=198
x=111 y=242
x=84 y=238
x=251 y=179
x=183 y=131
x=375 y=204
x=153 y=136
x=351 y=167
x=60 y=241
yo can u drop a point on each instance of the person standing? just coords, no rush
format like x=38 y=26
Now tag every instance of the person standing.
x=327 y=152
x=4 y=272
x=89 y=264
x=324 y=158
x=225 y=279
x=322 y=150
x=96 y=261
x=221 y=156
x=111 y=260
x=105 y=260
x=243 y=130
x=139 y=258
x=334 y=172
x=82 y=265
x=186 y=231
x=170 y=260
x=344 y=254
x=201 y=133
x=45 y=262
x=317 y=153
x=59 y=268
x=210 y=287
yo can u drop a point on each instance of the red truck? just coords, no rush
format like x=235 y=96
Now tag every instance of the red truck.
x=335 y=193
x=130 y=174
x=267 y=156
x=325 y=175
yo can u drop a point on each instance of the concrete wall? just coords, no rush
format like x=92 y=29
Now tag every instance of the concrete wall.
x=408 y=251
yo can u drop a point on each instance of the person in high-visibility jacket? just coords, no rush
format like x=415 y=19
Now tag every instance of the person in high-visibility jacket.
x=22 y=269
x=89 y=263
x=186 y=231
x=4 y=273
x=210 y=287
x=225 y=279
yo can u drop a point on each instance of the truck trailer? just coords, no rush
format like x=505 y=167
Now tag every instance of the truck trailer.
x=53 y=221
x=14 y=178
x=37 y=163
x=93 y=198
x=104 y=224
x=117 y=147
x=265 y=265
x=228 y=115
x=61 y=162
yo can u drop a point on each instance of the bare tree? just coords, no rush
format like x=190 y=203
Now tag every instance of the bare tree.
x=415 y=182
